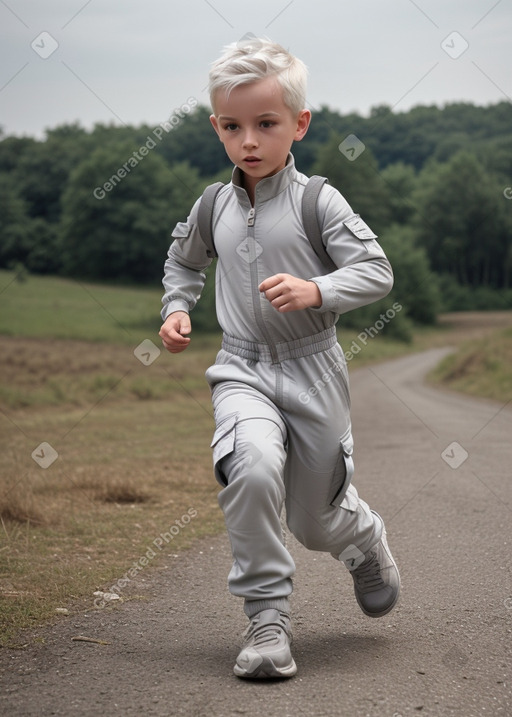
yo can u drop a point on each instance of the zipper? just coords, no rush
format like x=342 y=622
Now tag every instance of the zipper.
x=256 y=294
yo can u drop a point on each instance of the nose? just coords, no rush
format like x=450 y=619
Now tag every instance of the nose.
x=249 y=140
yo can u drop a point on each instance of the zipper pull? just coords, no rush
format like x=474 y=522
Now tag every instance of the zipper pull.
x=250 y=218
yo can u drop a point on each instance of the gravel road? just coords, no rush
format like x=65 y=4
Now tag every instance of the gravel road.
x=437 y=466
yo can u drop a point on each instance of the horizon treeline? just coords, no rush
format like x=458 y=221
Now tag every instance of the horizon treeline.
x=434 y=183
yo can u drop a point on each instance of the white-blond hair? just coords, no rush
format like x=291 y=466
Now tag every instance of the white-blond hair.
x=252 y=59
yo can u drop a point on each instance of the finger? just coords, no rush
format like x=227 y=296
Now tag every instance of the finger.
x=270 y=282
x=170 y=336
x=185 y=326
x=287 y=302
x=179 y=340
x=175 y=348
x=279 y=302
x=273 y=293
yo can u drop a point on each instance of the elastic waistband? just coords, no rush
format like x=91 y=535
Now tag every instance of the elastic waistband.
x=283 y=350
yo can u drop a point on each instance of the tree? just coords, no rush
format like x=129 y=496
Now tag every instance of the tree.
x=14 y=225
x=43 y=170
x=358 y=180
x=195 y=141
x=461 y=221
x=415 y=297
x=415 y=287
x=12 y=149
x=118 y=213
x=400 y=180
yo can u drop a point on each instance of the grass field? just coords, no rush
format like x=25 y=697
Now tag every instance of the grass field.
x=480 y=368
x=43 y=307
x=132 y=442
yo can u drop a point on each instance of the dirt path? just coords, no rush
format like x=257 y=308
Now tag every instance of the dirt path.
x=437 y=466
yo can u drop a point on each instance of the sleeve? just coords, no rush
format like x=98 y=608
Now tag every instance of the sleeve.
x=364 y=274
x=183 y=270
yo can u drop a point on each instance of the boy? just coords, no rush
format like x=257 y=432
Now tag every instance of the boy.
x=279 y=383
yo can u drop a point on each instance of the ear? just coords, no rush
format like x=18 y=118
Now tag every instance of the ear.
x=303 y=121
x=215 y=125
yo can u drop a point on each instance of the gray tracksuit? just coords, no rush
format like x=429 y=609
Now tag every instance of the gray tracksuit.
x=280 y=383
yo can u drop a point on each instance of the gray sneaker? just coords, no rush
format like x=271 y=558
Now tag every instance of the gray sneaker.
x=376 y=579
x=266 y=648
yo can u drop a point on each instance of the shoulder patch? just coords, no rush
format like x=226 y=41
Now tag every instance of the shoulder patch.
x=359 y=228
x=181 y=231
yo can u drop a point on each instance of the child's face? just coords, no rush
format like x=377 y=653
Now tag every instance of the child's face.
x=257 y=128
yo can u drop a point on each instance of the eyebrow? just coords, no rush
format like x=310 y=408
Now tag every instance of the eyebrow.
x=263 y=114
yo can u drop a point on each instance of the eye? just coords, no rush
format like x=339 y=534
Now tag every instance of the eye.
x=231 y=127
x=267 y=123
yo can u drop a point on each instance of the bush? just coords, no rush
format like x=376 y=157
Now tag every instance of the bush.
x=456 y=297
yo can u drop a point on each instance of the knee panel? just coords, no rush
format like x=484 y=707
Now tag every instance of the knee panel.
x=253 y=449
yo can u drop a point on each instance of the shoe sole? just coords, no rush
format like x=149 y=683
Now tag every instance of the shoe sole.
x=266 y=670
x=386 y=547
x=383 y=612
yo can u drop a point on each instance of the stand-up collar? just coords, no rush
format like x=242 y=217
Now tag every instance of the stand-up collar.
x=269 y=187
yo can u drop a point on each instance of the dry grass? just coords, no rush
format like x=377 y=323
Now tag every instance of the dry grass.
x=480 y=367
x=133 y=457
x=41 y=372
x=127 y=468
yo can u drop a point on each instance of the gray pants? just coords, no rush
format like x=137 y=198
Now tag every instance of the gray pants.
x=283 y=437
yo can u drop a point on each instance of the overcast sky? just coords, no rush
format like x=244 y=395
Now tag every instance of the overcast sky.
x=134 y=61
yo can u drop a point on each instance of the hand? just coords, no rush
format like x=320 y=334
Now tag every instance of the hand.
x=172 y=332
x=288 y=293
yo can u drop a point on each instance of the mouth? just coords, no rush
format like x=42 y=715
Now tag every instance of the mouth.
x=252 y=161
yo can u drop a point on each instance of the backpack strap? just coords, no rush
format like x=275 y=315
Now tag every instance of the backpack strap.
x=205 y=216
x=310 y=220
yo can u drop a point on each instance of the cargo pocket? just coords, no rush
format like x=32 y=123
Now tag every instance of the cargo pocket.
x=343 y=472
x=223 y=444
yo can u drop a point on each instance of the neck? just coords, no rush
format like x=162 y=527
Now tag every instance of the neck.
x=249 y=184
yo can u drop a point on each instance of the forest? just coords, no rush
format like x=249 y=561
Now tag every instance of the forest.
x=435 y=183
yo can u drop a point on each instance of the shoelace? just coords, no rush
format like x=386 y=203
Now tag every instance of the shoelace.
x=368 y=575
x=267 y=634
x=264 y=634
